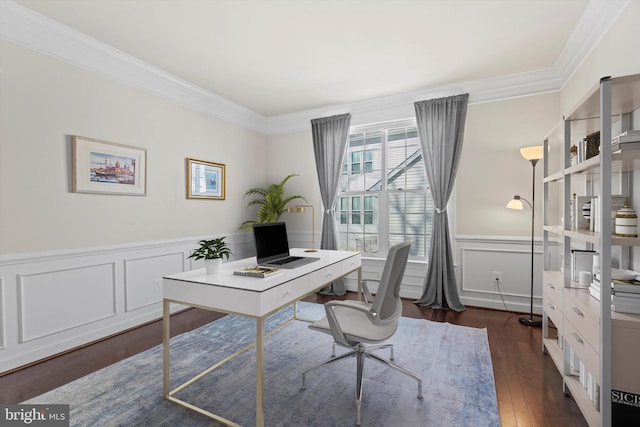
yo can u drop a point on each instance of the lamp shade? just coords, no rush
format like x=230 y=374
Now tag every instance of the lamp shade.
x=515 y=203
x=534 y=152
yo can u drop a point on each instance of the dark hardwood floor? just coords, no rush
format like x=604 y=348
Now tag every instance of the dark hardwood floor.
x=529 y=387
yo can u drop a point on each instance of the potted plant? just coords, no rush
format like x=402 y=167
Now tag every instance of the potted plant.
x=271 y=202
x=212 y=251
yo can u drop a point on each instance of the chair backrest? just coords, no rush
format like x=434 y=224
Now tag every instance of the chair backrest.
x=387 y=303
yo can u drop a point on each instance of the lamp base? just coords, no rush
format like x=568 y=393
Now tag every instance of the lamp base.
x=311 y=250
x=530 y=321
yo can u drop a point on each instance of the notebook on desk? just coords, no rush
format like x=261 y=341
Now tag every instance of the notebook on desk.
x=272 y=247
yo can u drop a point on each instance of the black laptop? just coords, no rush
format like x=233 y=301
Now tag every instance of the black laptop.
x=272 y=247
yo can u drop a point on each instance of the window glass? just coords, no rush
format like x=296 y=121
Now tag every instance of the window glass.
x=384 y=197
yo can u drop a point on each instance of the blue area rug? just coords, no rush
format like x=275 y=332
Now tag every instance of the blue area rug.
x=454 y=362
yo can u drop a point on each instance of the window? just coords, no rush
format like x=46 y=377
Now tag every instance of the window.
x=384 y=198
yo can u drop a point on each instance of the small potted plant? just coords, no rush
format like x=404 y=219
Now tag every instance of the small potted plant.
x=212 y=251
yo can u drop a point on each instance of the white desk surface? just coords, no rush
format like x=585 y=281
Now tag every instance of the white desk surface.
x=226 y=278
x=258 y=296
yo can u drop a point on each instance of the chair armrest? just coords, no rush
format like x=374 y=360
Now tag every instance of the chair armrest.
x=334 y=324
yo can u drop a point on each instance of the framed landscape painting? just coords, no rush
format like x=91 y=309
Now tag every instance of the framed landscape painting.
x=205 y=180
x=108 y=168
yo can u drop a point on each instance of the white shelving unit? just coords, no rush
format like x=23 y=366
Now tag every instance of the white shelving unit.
x=581 y=334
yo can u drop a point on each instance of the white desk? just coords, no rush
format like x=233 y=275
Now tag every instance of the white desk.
x=252 y=297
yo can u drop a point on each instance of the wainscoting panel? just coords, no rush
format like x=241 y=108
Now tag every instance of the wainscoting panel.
x=55 y=301
x=480 y=265
x=52 y=302
x=143 y=278
x=481 y=258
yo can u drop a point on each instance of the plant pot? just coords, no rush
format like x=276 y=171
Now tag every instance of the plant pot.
x=212 y=265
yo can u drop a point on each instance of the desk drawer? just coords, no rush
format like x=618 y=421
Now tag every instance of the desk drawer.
x=284 y=294
x=554 y=312
x=586 y=325
x=552 y=287
x=350 y=264
x=320 y=278
x=581 y=347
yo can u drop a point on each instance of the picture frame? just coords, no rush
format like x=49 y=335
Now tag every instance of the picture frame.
x=104 y=167
x=206 y=180
x=592 y=145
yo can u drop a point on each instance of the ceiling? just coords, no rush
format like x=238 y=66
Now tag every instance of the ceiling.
x=284 y=56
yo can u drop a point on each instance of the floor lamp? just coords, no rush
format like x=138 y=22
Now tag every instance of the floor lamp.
x=301 y=209
x=533 y=154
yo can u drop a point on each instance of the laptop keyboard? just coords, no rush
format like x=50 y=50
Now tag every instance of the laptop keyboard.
x=285 y=260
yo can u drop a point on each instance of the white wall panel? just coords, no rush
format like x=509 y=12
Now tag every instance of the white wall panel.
x=143 y=278
x=53 y=301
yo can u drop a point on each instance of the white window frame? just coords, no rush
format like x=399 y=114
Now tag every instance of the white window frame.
x=383 y=200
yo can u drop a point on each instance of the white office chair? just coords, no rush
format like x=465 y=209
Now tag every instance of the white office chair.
x=353 y=323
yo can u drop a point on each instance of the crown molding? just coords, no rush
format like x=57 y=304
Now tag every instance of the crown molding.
x=595 y=22
x=25 y=27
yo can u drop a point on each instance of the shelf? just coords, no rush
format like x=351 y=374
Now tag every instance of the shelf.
x=588 y=409
x=555 y=229
x=588 y=166
x=621 y=161
x=625 y=320
x=584 y=235
x=555 y=177
x=554 y=351
x=594 y=238
x=554 y=275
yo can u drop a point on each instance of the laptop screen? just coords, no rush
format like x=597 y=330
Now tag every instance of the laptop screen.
x=271 y=241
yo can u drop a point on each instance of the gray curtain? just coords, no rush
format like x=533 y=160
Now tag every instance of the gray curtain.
x=441 y=130
x=329 y=146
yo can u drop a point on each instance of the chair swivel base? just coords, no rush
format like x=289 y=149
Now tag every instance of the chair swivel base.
x=361 y=351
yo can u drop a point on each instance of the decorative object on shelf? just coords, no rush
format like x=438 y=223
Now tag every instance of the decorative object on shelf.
x=584 y=278
x=212 y=251
x=271 y=201
x=626 y=222
x=533 y=154
x=582 y=222
x=586 y=213
x=581 y=260
x=205 y=180
x=592 y=145
x=108 y=168
x=626 y=141
x=572 y=203
x=301 y=209
x=573 y=155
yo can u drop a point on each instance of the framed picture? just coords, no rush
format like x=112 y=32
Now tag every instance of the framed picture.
x=108 y=168
x=205 y=180
x=592 y=145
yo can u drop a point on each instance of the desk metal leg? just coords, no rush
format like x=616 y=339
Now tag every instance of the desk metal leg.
x=166 y=336
x=359 y=283
x=259 y=372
